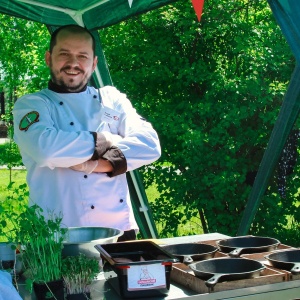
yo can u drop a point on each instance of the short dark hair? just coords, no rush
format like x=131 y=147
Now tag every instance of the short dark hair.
x=73 y=29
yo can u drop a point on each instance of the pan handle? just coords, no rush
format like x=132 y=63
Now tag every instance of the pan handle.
x=296 y=269
x=187 y=259
x=236 y=252
x=211 y=282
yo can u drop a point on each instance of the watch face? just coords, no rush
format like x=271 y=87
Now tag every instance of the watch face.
x=29 y=119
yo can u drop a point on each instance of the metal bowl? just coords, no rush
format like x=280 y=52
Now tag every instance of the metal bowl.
x=83 y=240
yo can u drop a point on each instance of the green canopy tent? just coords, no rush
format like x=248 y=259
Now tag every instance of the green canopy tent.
x=94 y=15
x=287 y=15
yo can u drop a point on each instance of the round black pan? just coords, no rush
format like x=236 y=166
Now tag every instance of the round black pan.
x=286 y=259
x=215 y=270
x=190 y=252
x=247 y=244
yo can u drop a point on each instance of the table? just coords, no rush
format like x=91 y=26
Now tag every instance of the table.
x=279 y=291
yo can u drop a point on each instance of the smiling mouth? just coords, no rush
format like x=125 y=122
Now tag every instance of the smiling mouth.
x=72 y=72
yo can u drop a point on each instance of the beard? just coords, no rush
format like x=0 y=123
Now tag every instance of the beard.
x=70 y=85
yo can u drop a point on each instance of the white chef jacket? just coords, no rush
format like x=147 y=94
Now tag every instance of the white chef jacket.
x=61 y=138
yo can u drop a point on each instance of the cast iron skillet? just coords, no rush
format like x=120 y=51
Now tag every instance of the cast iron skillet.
x=247 y=244
x=286 y=259
x=190 y=252
x=216 y=270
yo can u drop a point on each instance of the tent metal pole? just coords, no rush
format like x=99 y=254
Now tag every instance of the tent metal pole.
x=98 y=76
x=143 y=207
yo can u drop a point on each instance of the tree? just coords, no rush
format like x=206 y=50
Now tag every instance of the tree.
x=213 y=91
x=22 y=71
x=23 y=45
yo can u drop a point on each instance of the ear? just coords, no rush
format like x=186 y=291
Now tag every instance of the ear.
x=47 y=58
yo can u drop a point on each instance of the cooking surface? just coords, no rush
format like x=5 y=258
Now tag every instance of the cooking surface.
x=276 y=285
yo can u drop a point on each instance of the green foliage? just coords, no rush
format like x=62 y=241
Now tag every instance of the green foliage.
x=11 y=207
x=78 y=273
x=22 y=70
x=213 y=91
x=22 y=67
x=10 y=155
x=291 y=234
x=8 y=177
x=38 y=239
x=41 y=244
x=23 y=45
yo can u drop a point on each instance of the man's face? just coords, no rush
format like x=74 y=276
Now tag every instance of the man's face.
x=72 y=60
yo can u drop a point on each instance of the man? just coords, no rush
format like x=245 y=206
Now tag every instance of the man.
x=77 y=143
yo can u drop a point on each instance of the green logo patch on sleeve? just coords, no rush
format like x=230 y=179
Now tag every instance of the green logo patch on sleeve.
x=29 y=119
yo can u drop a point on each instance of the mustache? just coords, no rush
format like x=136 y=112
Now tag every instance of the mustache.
x=71 y=69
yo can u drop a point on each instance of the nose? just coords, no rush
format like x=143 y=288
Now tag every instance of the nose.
x=72 y=60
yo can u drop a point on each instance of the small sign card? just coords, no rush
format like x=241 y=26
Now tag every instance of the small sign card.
x=109 y=115
x=142 y=277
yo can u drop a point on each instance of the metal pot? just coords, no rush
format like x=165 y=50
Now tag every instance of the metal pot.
x=84 y=239
x=287 y=260
x=247 y=244
x=190 y=252
x=223 y=269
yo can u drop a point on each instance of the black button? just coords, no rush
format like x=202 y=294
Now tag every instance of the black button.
x=121 y=200
x=85 y=176
x=61 y=103
x=92 y=207
x=71 y=123
x=95 y=96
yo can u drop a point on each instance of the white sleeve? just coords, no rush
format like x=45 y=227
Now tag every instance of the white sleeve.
x=42 y=142
x=140 y=144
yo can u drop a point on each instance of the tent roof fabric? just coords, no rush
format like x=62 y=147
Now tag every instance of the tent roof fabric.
x=93 y=14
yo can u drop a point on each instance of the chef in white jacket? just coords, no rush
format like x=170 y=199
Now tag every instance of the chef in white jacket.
x=77 y=143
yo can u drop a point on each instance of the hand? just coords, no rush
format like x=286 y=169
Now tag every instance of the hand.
x=104 y=166
x=87 y=167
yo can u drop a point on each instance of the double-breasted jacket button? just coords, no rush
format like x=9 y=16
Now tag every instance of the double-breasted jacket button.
x=92 y=206
x=61 y=103
x=121 y=200
x=85 y=176
x=71 y=123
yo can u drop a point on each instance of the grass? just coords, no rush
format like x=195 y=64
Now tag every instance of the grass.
x=7 y=176
x=17 y=176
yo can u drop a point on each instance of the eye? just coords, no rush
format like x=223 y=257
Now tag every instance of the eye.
x=83 y=56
